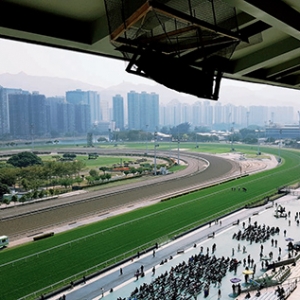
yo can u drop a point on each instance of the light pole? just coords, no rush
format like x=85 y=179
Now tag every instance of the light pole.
x=178 y=149
x=279 y=145
x=32 y=137
x=155 y=145
x=109 y=131
x=232 y=132
x=265 y=131
x=147 y=139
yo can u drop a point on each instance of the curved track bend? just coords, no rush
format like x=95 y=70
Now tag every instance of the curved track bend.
x=202 y=169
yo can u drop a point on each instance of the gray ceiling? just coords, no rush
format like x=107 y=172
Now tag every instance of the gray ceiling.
x=269 y=52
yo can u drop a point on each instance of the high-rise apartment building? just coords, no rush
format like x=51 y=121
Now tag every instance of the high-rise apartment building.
x=4 y=108
x=208 y=114
x=52 y=111
x=104 y=111
x=197 y=114
x=19 y=116
x=77 y=97
x=27 y=115
x=118 y=111
x=186 y=113
x=66 y=118
x=149 y=111
x=258 y=115
x=241 y=116
x=93 y=100
x=73 y=119
x=90 y=98
x=37 y=114
x=143 y=111
x=4 y=115
x=174 y=113
x=133 y=106
x=82 y=118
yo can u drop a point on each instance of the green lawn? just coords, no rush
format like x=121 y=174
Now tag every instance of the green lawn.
x=77 y=250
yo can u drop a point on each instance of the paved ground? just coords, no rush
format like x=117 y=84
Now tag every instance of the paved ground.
x=124 y=284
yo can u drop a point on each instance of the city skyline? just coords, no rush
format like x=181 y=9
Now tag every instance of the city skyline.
x=80 y=112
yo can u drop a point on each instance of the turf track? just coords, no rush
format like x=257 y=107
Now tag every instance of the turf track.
x=131 y=230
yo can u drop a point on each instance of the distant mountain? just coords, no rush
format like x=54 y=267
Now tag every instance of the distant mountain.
x=48 y=86
x=231 y=92
x=165 y=94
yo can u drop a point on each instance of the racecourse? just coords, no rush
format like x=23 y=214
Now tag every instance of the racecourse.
x=60 y=257
x=30 y=219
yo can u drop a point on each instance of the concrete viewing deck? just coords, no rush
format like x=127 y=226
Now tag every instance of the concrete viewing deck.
x=113 y=285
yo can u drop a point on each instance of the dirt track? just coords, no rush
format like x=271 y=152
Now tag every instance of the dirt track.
x=74 y=210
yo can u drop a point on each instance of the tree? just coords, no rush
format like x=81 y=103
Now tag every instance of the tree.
x=23 y=199
x=165 y=130
x=69 y=156
x=14 y=198
x=25 y=184
x=8 y=175
x=89 y=179
x=103 y=177
x=107 y=176
x=203 y=129
x=102 y=139
x=132 y=170
x=180 y=129
x=3 y=189
x=35 y=194
x=78 y=179
x=250 y=139
x=66 y=182
x=94 y=173
x=134 y=135
x=140 y=170
x=103 y=169
x=24 y=159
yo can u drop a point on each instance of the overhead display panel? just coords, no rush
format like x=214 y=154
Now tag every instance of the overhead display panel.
x=183 y=45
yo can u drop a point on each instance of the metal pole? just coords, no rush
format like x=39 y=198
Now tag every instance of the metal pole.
x=279 y=144
x=232 y=137
x=146 y=139
x=155 y=140
x=32 y=139
x=178 y=151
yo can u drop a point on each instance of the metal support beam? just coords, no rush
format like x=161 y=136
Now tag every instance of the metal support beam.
x=43 y=23
x=281 y=69
x=280 y=11
x=263 y=57
x=166 y=10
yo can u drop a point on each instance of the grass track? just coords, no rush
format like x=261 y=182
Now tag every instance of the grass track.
x=130 y=230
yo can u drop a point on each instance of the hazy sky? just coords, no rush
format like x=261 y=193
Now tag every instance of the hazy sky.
x=45 y=61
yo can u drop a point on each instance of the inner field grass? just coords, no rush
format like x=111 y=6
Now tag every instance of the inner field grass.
x=100 y=161
x=130 y=230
